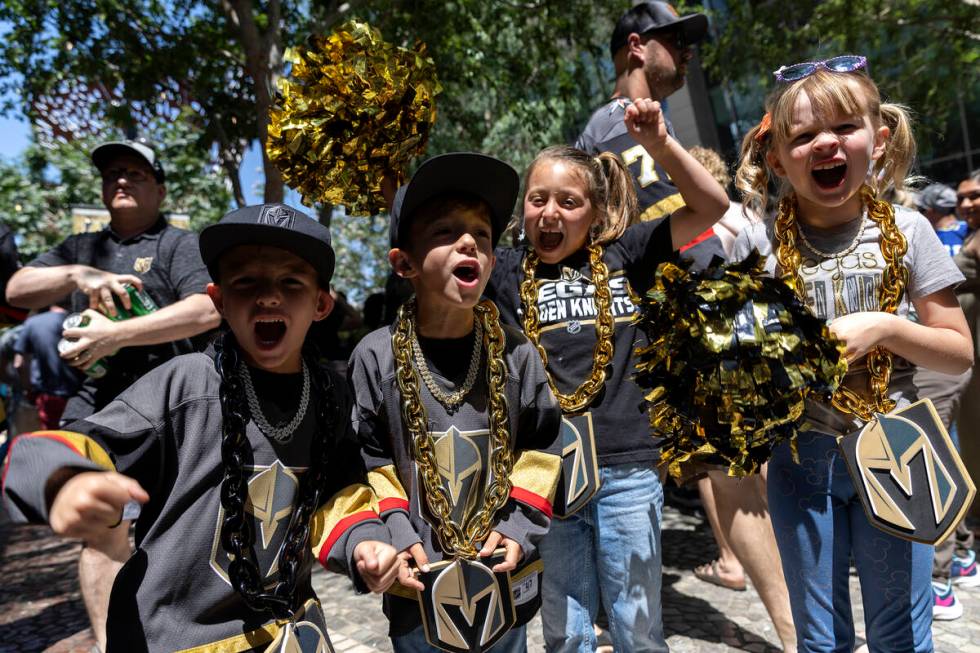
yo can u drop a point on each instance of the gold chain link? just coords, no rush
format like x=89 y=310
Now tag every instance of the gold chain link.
x=604 y=325
x=894 y=280
x=458 y=540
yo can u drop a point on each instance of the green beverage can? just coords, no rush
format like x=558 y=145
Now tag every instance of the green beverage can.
x=139 y=300
x=96 y=370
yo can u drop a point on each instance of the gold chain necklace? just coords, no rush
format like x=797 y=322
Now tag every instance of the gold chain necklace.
x=457 y=540
x=894 y=279
x=604 y=325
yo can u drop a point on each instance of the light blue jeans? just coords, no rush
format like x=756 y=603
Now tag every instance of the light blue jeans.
x=609 y=548
x=515 y=641
x=820 y=525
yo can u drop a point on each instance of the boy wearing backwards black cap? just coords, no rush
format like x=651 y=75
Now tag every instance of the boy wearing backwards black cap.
x=242 y=457
x=458 y=425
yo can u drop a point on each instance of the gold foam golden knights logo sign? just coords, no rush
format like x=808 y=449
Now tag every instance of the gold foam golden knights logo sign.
x=466 y=607
x=911 y=481
x=579 y=465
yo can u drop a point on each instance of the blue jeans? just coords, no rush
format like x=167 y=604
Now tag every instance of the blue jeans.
x=515 y=641
x=609 y=548
x=820 y=525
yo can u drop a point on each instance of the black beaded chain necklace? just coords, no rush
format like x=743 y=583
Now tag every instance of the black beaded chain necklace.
x=237 y=530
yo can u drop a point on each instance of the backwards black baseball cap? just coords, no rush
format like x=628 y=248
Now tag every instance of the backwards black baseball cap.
x=275 y=225
x=104 y=153
x=655 y=16
x=490 y=179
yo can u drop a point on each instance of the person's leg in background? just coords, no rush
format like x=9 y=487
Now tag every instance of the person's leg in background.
x=743 y=513
x=98 y=565
x=726 y=570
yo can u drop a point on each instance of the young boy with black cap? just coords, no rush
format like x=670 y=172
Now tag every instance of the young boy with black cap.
x=242 y=457
x=458 y=425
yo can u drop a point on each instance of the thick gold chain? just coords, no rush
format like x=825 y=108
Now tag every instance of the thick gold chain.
x=894 y=280
x=458 y=540
x=604 y=325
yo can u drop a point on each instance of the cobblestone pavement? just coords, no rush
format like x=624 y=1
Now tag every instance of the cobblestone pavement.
x=40 y=608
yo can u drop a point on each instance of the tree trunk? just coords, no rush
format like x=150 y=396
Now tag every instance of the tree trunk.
x=263 y=62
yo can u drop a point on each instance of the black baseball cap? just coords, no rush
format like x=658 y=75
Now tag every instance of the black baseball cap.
x=490 y=179
x=654 y=16
x=275 y=225
x=104 y=153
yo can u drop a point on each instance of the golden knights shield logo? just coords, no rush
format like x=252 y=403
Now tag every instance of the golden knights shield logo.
x=272 y=491
x=143 y=264
x=579 y=465
x=911 y=481
x=462 y=462
x=466 y=607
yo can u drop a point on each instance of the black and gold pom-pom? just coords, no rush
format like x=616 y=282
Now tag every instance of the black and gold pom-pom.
x=353 y=110
x=733 y=356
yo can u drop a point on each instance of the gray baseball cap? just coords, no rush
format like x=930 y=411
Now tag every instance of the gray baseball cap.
x=655 y=16
x=937 y=196
x=104 y=153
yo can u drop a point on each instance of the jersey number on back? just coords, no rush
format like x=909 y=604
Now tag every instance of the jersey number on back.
x=648 y=172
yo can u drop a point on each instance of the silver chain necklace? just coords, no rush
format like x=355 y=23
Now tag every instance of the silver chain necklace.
x=451 y=400
x=283 y=432
x=838 y=255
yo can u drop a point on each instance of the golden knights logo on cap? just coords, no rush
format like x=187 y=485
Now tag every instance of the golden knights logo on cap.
x=277 y=215
x=910 y=479
x=466 y=607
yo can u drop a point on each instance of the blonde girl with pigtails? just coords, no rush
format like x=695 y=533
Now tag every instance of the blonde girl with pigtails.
x=832 y=147
x=570 y=292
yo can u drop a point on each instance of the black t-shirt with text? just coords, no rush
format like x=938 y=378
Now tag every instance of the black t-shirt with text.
x=567 y=312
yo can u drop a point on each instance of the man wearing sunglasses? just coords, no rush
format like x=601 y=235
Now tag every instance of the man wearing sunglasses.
x=87 y=273
x=650 y=47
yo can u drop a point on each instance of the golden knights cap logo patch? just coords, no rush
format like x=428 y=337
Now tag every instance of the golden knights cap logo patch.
x=466 y=607
x=579 y=465
x=271 y=493
x=911 y=481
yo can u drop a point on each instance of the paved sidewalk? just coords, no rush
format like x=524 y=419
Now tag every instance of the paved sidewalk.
x=40 y=609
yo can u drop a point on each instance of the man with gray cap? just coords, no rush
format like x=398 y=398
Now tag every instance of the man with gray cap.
x=90 y=273
x=938 y=203
x=650 y=47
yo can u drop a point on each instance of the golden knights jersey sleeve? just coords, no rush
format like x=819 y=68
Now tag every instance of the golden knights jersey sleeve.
x=165 y=431
x=462 y=444
x=606 y=132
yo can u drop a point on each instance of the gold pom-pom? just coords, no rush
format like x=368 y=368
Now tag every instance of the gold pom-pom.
x=354 y=110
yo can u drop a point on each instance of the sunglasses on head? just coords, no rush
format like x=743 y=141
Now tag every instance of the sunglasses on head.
x=847 y=63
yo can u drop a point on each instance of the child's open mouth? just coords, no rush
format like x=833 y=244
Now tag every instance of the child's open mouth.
x=468 y=273
x=829 y=175
x=269 y=332
x=548 y=240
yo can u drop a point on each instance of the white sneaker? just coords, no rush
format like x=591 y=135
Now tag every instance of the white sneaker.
x=945 y=607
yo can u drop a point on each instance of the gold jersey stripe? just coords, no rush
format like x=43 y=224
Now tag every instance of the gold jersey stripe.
x=537 y=472
x=385 y=483
x=82 y=445
x=348 y=502
x=663 y=208
x=248 y=640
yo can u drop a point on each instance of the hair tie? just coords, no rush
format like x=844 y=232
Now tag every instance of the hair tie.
x=765 y=125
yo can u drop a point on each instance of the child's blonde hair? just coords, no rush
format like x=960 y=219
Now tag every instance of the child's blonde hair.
x=609 y=186
x=829 y=93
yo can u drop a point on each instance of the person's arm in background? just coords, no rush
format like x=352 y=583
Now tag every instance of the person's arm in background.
x=103 y=337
